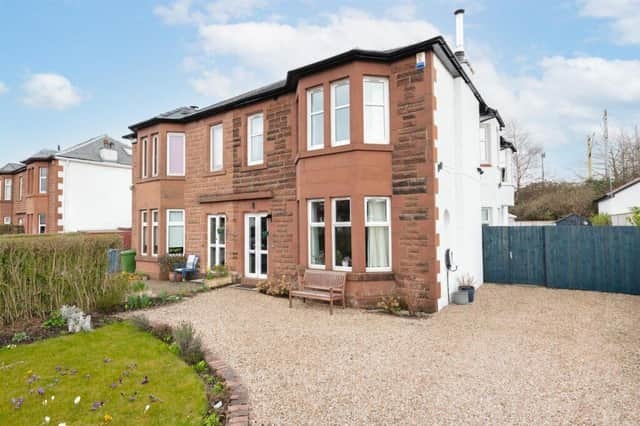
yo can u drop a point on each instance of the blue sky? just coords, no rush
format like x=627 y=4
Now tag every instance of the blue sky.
x=70 y=70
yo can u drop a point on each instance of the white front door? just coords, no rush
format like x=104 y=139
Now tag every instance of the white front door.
x=256 y=242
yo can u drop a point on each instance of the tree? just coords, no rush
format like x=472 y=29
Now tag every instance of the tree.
x=634 y=219
x=527 y=158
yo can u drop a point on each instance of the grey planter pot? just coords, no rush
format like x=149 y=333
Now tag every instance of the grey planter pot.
x=461 y=298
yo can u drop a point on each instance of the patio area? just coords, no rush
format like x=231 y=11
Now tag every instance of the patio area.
x=519 y=355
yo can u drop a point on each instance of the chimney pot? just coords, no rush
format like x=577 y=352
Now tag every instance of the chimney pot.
x=459 y=14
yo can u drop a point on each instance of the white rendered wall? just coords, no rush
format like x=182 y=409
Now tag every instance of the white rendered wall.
x=621 y=202
x=95 y=196
x=458 y=198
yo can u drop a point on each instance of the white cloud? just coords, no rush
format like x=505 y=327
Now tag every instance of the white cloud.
x=50 y=91
x=219 y=85
x=3 y=88
x=624 y=14
x=201 y=12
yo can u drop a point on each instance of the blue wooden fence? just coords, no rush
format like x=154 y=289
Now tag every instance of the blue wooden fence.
x=604 y=258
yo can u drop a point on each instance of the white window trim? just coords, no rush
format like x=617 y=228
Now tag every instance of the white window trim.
x=314 y=225
x=184 y=154
x=335 y=84
x=42 y=226
x=249 y=128
x=335 y=224
x=385 y=82
x=212 y=167
x=40 y=178
x=8 y=189
x=154 y=155
x=485 y=157
x=216 y=244
x=310 y=116
x=155 y=226
x=7 y=220
x=387 y=223
x=20 y=187
x=184 y=229
x=144 y=228
x=489 y=211
x=145 y=145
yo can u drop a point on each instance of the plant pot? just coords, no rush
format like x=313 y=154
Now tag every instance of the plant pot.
x=173 y=276
x=461 y=297
x=471 y=290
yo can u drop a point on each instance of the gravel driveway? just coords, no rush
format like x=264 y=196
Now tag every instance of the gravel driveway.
x=519 y=355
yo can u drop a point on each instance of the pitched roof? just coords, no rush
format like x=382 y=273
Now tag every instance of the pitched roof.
x=42 y=155
x=437 y=45
x=91 y=149
x=618 y=189
x=507 y=144
x=11 y=168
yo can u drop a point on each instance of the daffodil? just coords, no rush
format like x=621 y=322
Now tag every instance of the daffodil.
x=77 y=400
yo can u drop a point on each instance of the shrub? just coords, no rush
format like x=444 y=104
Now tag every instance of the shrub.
x=38 y=274
x=275 y=287
x=113 y=293
x=76 y=319
x=20 y=337
x=138 y=302
x=212 y=420
x=142 y=322
x=201 y=367
x=138 y=286
x=634 y=219
x=55 y=321
x=189 y=343
x=163 y=332
x=11 y=229
x=601 y=219
x=171 y=261
x=390 y=304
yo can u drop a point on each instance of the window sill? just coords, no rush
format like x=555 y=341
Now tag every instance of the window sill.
x=370 y=276
x=160 y=178
x=216 y=173
x=485 y=165
x=343 y=148
x=317 y=267
x=253 y=167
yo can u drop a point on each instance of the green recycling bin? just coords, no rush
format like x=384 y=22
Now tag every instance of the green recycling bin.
x=128 y=258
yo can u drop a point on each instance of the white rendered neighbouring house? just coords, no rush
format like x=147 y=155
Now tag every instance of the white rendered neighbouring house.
x=619 y=202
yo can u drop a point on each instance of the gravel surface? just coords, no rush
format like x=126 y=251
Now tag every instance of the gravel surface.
x=518 y=355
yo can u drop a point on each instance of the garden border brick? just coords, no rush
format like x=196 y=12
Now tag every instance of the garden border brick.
x=238 y=408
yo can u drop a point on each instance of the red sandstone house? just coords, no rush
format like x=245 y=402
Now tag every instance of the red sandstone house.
x=83 y=188
x=366 y=162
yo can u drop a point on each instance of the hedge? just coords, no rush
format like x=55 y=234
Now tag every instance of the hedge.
x=11 y=229
x=40 y=273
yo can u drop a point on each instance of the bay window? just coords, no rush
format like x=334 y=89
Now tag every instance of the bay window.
x=255 y=139
x=154 y=155
x=340 y=127
x=316 y=234
x=378 y=233
x=175 y=154
x=376 y=110
x=215 y=148
x=341 y=208
x=175 y=231
x=154 y=232
x=143 y=155
x=144 y=226
x=315 y=118
x=43 y=180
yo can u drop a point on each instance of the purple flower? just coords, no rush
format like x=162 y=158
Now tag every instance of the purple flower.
x=17 y=403
x=145 y=381
x=74 y=371
x=96 y=405
x=40 y=391
x=113 y=385
x=58 y=368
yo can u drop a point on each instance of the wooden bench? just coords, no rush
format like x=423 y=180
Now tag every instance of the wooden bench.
x=328 y=286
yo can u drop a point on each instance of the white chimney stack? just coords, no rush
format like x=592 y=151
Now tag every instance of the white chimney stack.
x=459 y=30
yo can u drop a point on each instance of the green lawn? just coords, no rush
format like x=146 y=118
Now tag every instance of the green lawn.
x=90 y=365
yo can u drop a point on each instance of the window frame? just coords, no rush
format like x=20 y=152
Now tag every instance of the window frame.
x=7 y=220
x=212 y=150
x=250 y=135
x=216 y=244
x=485 y=155
x=310 y=225
x=335 y=224
x=386 y=137
x=155 y=139
x=40 y=179
x=184 y=230
x=145 y=145
x=8 y=189
x=388 y=224
x=155 y=235
x=489 y=216
x=20 y=188
x=144 y=228
x=184 y=154
x=311 y=115
x=42 y=226
x=334 y=85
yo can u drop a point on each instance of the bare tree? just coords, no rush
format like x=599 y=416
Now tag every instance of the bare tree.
x=527 y=158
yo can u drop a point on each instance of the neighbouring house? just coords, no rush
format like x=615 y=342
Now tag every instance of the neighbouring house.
x=367 y=162
x=619 y=202
x=573 y=219
x=498 y=177
x=86 y=187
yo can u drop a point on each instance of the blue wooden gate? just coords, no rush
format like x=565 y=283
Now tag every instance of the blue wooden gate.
x=572 y=257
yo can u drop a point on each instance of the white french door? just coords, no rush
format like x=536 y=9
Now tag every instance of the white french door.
x=217 y=240
x=256 y=243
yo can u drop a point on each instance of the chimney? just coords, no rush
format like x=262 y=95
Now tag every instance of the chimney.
x=459 y=50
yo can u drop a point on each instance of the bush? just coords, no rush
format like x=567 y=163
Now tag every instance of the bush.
x=76 y=319
x=20 y=337
x=601 y=219
x=274 y=287
x=142 y=323
x=113 y=293
x=170 y=262
x=634 y=219
x=38 y=274
x=11 y=229
x=55 y=321
x=390 y=304
x=138 y=302
x=189 y=343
